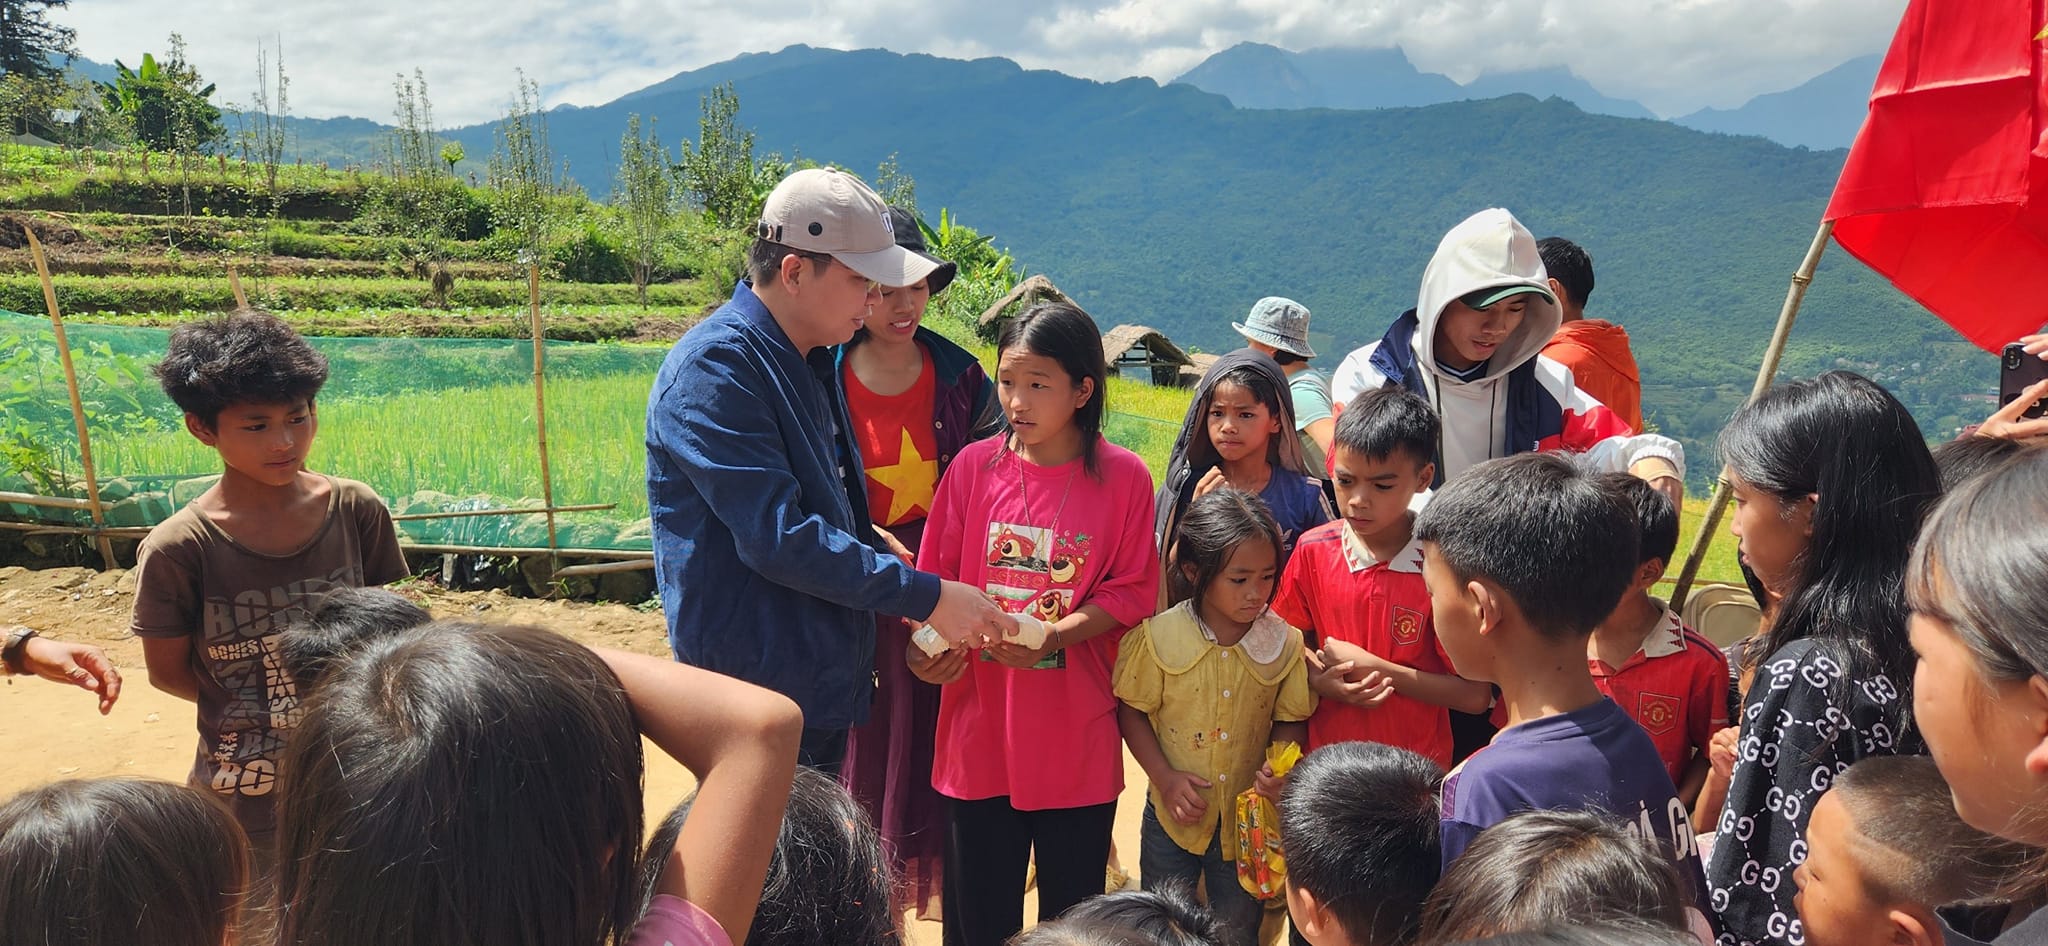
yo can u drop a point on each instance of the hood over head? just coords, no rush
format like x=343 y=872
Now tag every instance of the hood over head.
x=1191 y=449
x=1488 y=250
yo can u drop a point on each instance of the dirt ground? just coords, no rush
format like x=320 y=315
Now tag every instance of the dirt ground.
x=55 y=732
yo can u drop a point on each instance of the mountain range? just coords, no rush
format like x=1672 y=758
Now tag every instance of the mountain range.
x=1821 y=113
x=1168 y=206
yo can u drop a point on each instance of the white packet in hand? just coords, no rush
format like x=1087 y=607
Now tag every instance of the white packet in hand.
x=1031 y=632
x=928 y=640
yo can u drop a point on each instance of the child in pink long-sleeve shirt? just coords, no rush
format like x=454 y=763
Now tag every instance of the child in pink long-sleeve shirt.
x=1053 y=521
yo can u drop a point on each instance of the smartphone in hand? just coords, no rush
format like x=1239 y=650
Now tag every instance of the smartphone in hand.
x=2018 y=371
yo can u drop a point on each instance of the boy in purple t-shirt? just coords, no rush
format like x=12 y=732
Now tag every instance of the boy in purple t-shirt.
x=1523 y=557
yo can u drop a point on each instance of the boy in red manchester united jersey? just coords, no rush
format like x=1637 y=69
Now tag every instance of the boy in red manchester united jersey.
x=1354 y=587
x=1673 y=681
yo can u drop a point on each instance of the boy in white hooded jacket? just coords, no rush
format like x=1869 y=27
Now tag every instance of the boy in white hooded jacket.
x=1471 y=349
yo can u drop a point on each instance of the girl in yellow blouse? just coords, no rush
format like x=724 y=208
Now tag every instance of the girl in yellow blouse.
x=1204 y=687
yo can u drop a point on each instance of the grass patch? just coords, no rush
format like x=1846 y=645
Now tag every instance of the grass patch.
x=23 y=293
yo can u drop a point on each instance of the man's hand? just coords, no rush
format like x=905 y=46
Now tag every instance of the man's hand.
x=2006 y=422
x=1661 y=474
x=965 y=616
x=948 y=666
x=81 y=665
x=1182 y=793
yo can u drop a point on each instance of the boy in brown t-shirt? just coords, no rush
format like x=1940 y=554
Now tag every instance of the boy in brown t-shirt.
x=220 y=578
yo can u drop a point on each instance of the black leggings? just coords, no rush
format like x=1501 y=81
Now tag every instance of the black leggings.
x=988 y=844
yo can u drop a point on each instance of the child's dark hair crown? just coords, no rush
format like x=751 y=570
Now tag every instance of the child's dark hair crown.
x=1548 y=534
x=1064 y=333
x=1540 y=867
x=1214 y=524
x=1359 y=825
x=245 y=357
x=1380 y=423
x=1656 y=520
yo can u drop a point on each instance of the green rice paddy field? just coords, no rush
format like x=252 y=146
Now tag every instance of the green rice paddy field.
x=440 y=425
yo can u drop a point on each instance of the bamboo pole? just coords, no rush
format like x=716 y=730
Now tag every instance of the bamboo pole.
x=540 y=399
x=1773 y=353
x=521 y=550
x=235 y=283
x=52 y=528
x=606 y=568
x=53 y=502
x=467 y=513
x=92 y=484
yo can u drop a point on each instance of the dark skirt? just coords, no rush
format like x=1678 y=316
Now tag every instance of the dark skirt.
x=889 y=766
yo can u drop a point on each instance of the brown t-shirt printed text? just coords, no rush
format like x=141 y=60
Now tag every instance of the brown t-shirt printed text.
x=193 y=579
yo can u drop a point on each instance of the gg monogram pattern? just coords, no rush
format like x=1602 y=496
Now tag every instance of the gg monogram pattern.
x=1795 y=740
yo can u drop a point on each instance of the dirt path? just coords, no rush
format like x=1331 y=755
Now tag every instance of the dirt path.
x=54 y=732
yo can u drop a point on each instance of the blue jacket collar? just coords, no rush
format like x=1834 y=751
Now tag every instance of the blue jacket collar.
x=754 y=313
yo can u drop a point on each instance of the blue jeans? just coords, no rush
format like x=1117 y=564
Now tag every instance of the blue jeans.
x=1162 y=862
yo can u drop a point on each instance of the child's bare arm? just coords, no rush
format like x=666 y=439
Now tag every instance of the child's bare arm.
x=1266 y=782
x=1437 y=689
x=1181 y=791
x=1693 y=780
x=741 y=742
x=169 y=661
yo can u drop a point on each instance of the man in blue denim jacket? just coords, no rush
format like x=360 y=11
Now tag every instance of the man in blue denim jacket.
x=761 y=536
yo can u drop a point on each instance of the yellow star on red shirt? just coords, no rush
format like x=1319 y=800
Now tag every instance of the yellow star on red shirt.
x=911 y=481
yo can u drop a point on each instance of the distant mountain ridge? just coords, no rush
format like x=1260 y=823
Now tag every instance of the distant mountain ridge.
x=1170 y=207
x=1257 y=75
x=1823 y=112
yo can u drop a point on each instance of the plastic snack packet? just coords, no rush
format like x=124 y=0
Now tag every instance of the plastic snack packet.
x=1261 y=870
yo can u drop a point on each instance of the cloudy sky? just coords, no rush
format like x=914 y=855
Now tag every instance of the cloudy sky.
x=1672 y=55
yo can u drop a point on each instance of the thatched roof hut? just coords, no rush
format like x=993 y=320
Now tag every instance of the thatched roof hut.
x=1031 y=291
x=1144 y=354
x=1198 y=365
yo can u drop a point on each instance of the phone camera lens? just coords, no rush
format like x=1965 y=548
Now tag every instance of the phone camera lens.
x=2012 y=361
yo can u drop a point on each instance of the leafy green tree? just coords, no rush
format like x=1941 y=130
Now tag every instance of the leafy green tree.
x=895 y=187
x=415 y=199
x=453 y=154
x=718 y=172
x=522 y=173
x=263 y=141
x=167 y=102
x=646 y=197
x=30 y=45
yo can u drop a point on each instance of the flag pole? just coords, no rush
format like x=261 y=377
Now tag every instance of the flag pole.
x=1764 y=373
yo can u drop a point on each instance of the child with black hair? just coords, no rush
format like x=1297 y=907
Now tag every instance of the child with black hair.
x=1979 y=630
x=1672 y=680
x=218 y=580
x=1965 y=457
x=1524 y=556
x=828 y=884
x=1358 y=823
x=116 y=860
x=1540 y=868
x=1831 y=478
x=457 y=783
x=1238 y=433
x=1354 y=587
x=343 y=620
x=1167 y=915
x=1885 y=847
x=1052 y=521
x=1595 y=351
x=1202 y=689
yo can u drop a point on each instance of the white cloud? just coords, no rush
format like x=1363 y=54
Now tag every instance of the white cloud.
x=1672 y=55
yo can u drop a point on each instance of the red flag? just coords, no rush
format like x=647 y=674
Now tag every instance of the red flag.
x=1946 y=189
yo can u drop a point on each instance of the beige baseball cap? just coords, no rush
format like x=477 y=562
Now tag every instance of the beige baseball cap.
x=826 y=210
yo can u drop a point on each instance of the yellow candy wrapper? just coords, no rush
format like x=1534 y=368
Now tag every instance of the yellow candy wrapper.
x=1261 y=870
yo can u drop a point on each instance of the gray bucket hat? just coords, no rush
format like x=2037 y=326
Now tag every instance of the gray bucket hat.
x=1281 y=323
